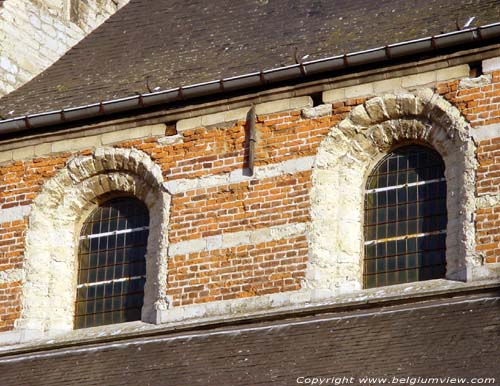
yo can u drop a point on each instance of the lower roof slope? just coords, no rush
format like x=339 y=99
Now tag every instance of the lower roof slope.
x=455 y=337
x=181 y=42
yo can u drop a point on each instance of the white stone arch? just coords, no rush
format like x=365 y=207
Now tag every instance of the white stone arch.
x=347 y=155
x=56 y=217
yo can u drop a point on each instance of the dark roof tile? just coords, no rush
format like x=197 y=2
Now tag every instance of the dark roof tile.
x=456 y=338
x=181 y=42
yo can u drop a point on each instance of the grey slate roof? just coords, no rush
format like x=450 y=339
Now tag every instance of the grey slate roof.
x=448 y=337
x=182 y=42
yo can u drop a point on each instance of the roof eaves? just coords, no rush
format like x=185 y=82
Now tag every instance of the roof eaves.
x=314 y=67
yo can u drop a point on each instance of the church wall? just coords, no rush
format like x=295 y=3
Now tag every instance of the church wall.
x=34 y=34
x=232 y=236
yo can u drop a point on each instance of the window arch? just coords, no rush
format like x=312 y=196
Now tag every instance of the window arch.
x=405 y=218
x=52 y=238
x=112 y=264
x=345 y=157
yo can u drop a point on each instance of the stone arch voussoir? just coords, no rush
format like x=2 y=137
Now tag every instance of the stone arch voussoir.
x=352 y=148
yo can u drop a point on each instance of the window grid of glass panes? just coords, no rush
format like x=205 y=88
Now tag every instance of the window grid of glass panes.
x=112 y=265
x=405 y=218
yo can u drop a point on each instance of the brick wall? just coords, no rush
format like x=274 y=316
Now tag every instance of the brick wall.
x=488 y=233
x=489 y=167
x=221 y=274
x=10 y=304
x=238 y=207
x=12 y=244
x=275 y=199
x=488 y=182
x=20 y=181
x=481 y=106
x=248 y=270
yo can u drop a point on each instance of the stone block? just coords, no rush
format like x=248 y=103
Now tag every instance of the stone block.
x=186 y=247
x=334 y=95
x=215 y=180
x=214 y=242
x=236 y=114
x=158 y=129
x=5 y=63
x=49 y=30
x=237 y=176
x=261 y=236
x=425 y=94
x=480 y=81
x=43 y=149
x=51 y=44
x=305 y=163
x=481 y=133
x=359 y=116
x=118 y=136
x=272 y=107
x=23 y=153
x=490 y=65
x=391 y=106
x=300 y=297
x=235 y=239
x=178 y=186
x=76 y=144
x=6 y=156
x=300 y=102
x=35 y=21
x=187 y=124
x=171 y=139
x=376 y=109
x=450 y=73
x=10 y=78
x=419 y=79
x=279 y=299
x=283 y=105
x=388 y=85
x=318 y=111
x=212 y=119
x=359 y=90
x=407 y=104
x=15 y=213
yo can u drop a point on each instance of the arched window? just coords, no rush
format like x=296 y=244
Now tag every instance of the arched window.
x=112 y=265
x=405 y=218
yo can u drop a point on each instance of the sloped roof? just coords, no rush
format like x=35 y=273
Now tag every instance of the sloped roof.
x=441 y=338
x=182 y=42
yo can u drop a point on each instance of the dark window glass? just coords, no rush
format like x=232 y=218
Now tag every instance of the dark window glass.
x=405 y=218
x=112 y=265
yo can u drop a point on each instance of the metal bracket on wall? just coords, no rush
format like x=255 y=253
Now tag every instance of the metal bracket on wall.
x=252 y=139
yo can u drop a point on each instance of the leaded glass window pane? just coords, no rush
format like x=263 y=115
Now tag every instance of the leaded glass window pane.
x=405 y=218
x=112 y=265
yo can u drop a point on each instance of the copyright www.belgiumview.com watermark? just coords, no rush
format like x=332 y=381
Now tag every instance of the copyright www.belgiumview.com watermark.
x=395 y=380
